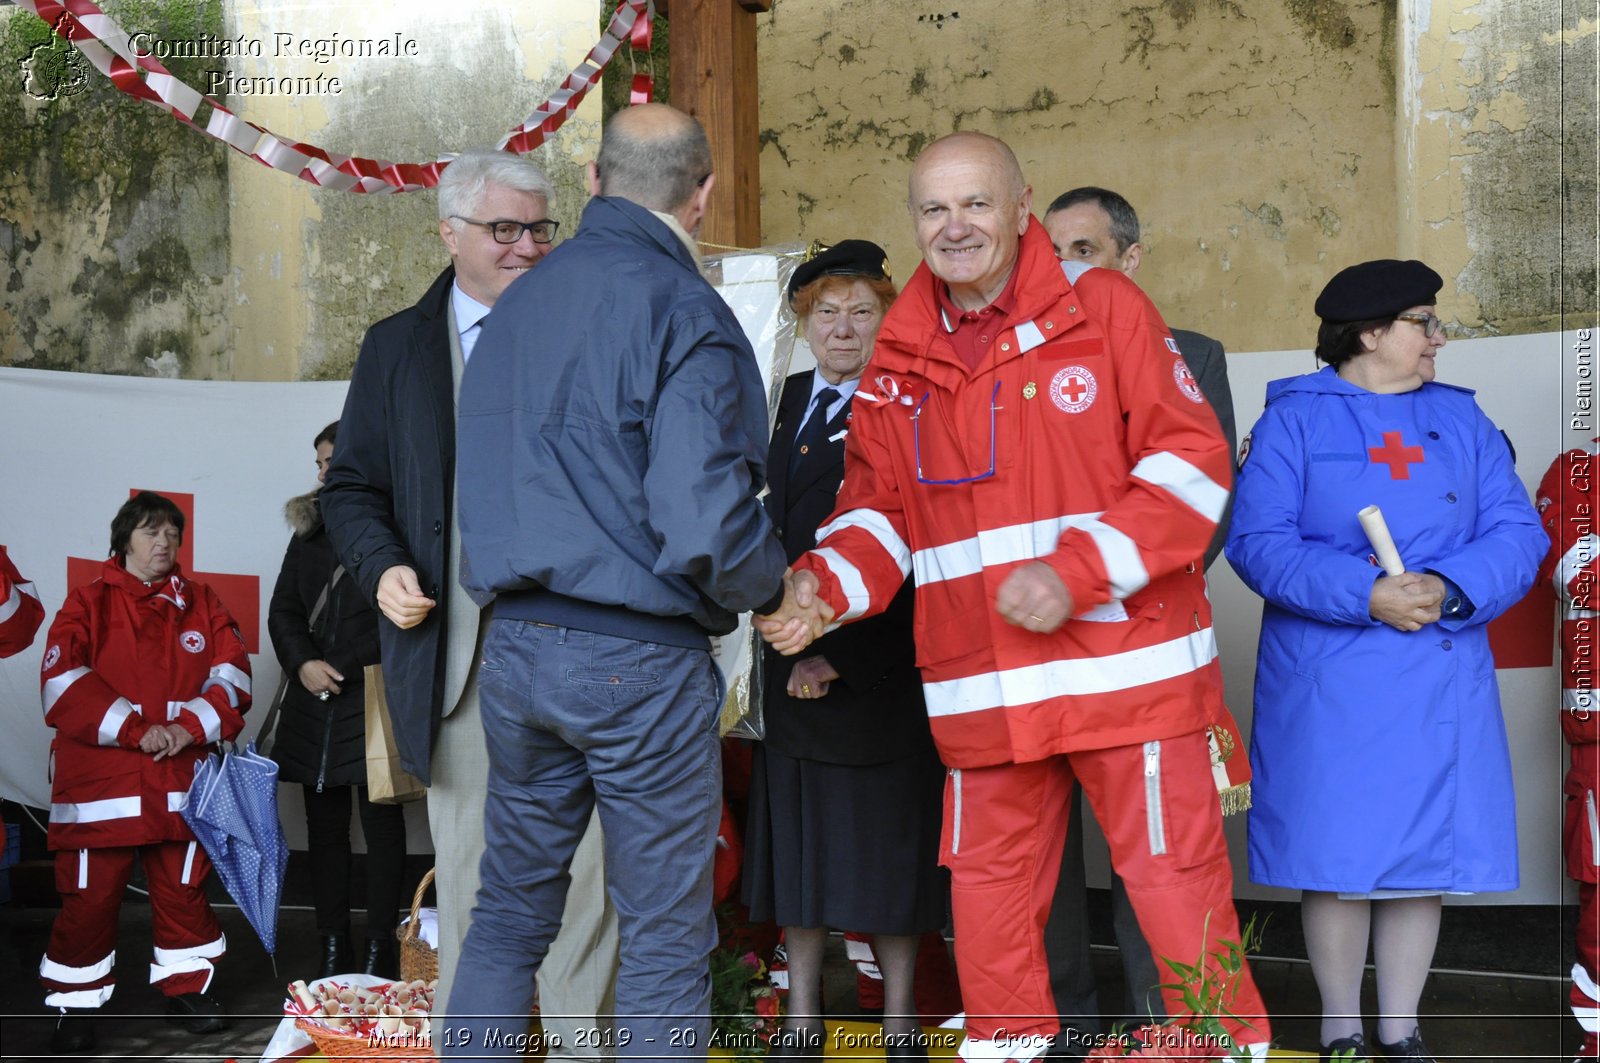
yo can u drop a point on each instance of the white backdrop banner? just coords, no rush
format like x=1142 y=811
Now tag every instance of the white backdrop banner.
x=73 y=445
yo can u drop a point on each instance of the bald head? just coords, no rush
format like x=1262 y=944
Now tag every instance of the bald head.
x=655 y=156
x=971 y=207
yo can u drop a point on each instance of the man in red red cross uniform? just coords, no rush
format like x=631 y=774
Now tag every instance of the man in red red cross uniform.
x=20 y=611
x=1569 y=504
x=1026 y=442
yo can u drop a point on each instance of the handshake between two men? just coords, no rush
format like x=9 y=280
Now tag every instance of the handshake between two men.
x=1031 y=597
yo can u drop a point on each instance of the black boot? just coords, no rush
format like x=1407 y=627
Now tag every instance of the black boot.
x=336 y=955
x=381 y=958
x=74 y=1033
x=197 y=1013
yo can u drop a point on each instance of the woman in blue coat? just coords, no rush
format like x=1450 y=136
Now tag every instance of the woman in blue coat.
x=1382 y=775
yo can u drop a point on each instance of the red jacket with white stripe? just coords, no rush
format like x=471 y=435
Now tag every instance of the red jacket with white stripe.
x=122 y=657
x=1567 y=500
x=20 y=611
x=1107 y=464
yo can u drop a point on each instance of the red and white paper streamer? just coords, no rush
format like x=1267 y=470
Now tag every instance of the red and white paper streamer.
x=107 y=46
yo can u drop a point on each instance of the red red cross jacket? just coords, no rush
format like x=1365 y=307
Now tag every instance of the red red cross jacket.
x=1568 y=499
x=120 y=658
x=20 y=611
x=1107 y=464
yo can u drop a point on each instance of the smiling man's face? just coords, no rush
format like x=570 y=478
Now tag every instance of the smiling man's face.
x=971 y=209
x=485 y=268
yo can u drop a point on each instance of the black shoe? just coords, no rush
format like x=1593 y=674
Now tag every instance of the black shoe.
x=196 y=1012
x=1354 y=1050
x=74 y=1033
x=794 y=1043
x=1407 y=1049
x=913 y=1046
x=381 y=959
x=336 y=956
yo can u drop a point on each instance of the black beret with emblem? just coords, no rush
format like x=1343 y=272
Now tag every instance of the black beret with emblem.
x=1378 y=289
x=847 y=258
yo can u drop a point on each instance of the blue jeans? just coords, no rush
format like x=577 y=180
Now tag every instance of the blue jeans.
x=573 y=718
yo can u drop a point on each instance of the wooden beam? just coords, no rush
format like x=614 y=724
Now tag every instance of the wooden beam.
x=712 y=49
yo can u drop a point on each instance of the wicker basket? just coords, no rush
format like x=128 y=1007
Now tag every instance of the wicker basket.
x=419 y=961
x=341 y=1046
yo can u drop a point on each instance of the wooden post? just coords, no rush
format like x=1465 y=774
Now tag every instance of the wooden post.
x=712 y=51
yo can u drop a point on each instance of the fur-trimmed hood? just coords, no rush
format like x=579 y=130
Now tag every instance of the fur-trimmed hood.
x=303 y=513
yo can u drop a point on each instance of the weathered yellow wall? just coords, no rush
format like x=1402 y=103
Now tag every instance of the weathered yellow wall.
x=126 y=234
x=1265 y=143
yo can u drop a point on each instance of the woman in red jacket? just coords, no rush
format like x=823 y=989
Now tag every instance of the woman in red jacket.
x=143 y=671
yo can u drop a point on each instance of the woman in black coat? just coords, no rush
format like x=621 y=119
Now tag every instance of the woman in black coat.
x=320 y=740
x=846 y=788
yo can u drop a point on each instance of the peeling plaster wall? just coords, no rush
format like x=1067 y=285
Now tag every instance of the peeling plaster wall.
x=1253 y=137
x=113 y=217
x=126 y=234
x=1265 y=143
x=1497 y=158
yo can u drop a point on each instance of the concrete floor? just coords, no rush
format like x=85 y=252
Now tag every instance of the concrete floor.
x=1472 y=1016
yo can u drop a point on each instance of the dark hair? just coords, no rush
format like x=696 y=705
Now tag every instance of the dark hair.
x=657 y=168
x=1340 y=341
x=1124 y=221
x=146 y=507
x=329 y=434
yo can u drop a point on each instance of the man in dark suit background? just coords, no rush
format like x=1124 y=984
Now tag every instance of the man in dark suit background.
x=389 y=503
x=1100 y=227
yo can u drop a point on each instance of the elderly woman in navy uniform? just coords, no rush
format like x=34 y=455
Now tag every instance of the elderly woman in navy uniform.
x=1382 y=775
x=846 y=789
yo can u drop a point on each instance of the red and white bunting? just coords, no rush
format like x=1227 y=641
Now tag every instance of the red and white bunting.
x=107 y=47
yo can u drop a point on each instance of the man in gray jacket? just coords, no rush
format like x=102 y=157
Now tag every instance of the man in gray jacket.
x=613 y=434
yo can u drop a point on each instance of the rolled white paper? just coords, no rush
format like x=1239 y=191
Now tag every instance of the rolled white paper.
x=1383 y=548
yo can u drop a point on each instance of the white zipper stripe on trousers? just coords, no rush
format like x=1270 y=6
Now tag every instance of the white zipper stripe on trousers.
x=83 y=869
x=209 y=720
x=1090 y=675
x=188 y=863
x=95 y=811
x=955 y=811
x=56 y=686
x=1154 y=820
x=851 y=585
x=994 y=546
x=1578 y=555
x=60 y=972
x=1594 y=829
x=1185 y=480
x=111 y=723
x=876 y=525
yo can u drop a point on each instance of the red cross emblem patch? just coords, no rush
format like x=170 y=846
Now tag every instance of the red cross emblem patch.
x=192 y=641
x=1186 y=382
x=1073 y=389
x=1396 y=455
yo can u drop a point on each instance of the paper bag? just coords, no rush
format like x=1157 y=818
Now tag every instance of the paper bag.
x=387 y=782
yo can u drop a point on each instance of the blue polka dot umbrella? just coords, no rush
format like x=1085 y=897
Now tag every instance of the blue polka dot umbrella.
x=232 y=807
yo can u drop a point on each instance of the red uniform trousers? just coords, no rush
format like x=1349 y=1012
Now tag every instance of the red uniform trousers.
x=1581 y=836
x=1004 y=828
x=78 y=969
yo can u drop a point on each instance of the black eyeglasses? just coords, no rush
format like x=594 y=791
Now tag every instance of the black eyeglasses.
x=509 y=232
x=1431 y=326
x=916 y=443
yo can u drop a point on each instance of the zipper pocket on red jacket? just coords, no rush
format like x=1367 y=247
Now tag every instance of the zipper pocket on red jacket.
x=955 y=811
x=1154 y=822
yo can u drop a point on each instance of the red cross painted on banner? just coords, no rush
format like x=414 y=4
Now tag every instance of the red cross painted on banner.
x=240 y=593
x=1395 y=455
x=1074 y=388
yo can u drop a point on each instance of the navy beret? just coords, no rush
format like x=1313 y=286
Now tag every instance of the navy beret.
x=847 y=258
x=1377 y=289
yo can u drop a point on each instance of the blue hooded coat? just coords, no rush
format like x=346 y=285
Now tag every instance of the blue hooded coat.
x=1379 y=756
